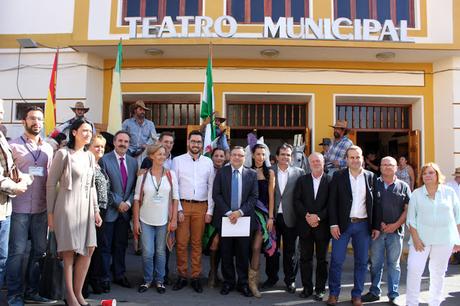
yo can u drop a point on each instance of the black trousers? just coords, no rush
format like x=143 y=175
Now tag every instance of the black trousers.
x=316 y=240
x=238 y=247
x=114 y=248
x=290 y=259
x=96 y=271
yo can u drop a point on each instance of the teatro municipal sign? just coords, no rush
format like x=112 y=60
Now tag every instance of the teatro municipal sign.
x=285 y=28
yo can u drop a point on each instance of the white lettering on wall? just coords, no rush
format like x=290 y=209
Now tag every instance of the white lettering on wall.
x=284 y=27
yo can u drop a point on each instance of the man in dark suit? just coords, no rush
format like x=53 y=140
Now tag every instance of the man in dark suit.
x=311 y=195
x=235 y=192
x=353 y=214
x=285 y=221
x=121 y=170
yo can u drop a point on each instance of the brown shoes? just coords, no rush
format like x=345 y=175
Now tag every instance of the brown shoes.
x=332 y=300
x=356 y=301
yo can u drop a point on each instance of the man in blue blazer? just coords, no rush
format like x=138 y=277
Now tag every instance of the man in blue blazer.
x=242 y=203
x=121 y=170
x=353 y=214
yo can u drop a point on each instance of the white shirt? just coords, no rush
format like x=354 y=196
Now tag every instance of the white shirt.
x=154 y=211
x=358 y=190
x=455 y=186
x=193 y=176
x=240 y=188
x=316 y=182
x=282 y=179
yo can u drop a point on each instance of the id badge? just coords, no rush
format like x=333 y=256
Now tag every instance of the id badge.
x=157 y=199
x=36 y=171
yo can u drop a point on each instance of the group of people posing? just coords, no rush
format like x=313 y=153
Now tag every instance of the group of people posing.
x=89 y=197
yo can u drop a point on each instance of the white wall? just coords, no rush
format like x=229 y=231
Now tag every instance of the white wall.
x=36 y=17
x=446 y=92
x=76 y=81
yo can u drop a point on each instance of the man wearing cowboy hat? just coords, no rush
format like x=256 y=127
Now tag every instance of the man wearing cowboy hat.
x=222 y=142
x=80 y=110
x=142 y=130
x=326 y=144
x=335 y=157
x=455 y=184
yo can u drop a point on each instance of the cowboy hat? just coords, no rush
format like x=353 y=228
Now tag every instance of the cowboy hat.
x=140 y=103
x=218 y=116
x=340 y=124
x=80 y=105
x=457 y=172
x=326 y=142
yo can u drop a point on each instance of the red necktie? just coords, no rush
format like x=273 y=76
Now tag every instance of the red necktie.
x=124 y=174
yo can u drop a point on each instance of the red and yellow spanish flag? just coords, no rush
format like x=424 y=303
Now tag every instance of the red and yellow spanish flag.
x=50 y=106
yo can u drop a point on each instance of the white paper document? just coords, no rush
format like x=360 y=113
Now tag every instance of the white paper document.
x=239 y=229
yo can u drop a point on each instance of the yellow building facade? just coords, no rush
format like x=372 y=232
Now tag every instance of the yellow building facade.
x=283 y=67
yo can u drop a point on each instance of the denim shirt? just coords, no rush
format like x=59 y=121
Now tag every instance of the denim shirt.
x=435 y=220
x=140 y=134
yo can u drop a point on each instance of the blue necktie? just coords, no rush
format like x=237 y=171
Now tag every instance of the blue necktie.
x=234 y=199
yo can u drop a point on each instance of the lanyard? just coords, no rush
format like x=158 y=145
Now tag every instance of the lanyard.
x=30 y=151
x=157 y=189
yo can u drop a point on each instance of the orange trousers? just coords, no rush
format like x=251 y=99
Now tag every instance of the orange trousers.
x=190 y=230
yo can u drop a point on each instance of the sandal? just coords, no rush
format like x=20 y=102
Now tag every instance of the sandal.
x=144 y=287
x=160 y=287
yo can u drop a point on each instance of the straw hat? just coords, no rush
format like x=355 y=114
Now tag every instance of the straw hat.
x=80 y=105
x=218 y=116
x=141 y=104
x=457 y=172
x=340 y=124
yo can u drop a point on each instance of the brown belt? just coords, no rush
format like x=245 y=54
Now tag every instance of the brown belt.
x=194 y=201
x=357 y=220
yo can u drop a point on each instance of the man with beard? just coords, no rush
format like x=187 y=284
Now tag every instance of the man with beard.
x=121 y=170
x=142 y=130
x=335 y=157
x=194 y=176
x=33 y=156
x=80 y=110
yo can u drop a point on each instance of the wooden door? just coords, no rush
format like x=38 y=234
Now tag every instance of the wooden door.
x=352 y=136
x=414 y=152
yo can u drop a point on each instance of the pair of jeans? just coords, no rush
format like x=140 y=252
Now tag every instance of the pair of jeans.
x=153 y=239
x=24 y=226
x=389 y=245
x=360 y=240
x=4 y=238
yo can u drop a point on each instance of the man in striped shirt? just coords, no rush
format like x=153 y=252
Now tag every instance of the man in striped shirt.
x=335 y=157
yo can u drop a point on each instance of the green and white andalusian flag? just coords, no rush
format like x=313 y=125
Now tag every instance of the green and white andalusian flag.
x=207 y=109
x=116 y=101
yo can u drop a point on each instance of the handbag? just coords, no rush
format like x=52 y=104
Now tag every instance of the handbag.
x=52 y=272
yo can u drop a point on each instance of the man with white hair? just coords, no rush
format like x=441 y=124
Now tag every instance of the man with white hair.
x=311 y=196
x=393 y=195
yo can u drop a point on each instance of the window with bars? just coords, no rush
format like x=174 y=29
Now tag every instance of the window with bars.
x=254 y=11
x=375 y=117
x=170 y=114
x=161 y=8
x=243 y=115
x=380 y=10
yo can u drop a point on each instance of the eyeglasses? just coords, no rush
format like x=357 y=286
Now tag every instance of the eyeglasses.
x=35 y=118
